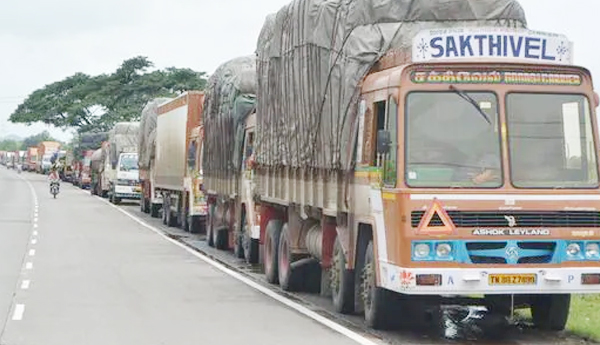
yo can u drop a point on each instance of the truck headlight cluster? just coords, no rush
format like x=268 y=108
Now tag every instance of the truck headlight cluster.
x=584 y=250
x=432 y=251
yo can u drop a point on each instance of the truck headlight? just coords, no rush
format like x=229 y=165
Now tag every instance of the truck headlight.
x=422 y=250
x=592 y=250
x=573 y=249
x=443 y=250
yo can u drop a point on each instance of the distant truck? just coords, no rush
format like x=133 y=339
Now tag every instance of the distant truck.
x=31 y=159
x=174 y=177
x=121 y=166
x=150 y=200
x=431 y=159
x=45 y=150
x=85 y=179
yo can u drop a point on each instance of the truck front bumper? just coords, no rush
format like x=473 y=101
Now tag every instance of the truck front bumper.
x=128 y=192
x=496 y=280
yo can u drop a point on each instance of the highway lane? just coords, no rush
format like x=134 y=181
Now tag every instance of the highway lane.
x=16 y=226
x=99 y=277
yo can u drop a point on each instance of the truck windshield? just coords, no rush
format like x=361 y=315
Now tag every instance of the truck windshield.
x=128 y=162
x=448 y=141
x=551 y=141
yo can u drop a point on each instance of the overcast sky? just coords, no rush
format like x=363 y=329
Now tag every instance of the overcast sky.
x=45 y=41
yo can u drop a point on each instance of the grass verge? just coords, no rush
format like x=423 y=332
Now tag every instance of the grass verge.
x=584 y=317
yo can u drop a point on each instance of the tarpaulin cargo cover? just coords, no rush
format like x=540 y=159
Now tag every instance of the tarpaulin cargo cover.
x=313 y=55
x=122 y=138
x=229 y=99
x=147 y=138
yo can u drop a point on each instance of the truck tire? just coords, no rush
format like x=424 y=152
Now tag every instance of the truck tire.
x=196 y=225
x=210 y=226
x=142 y=205
x=550 y=312
x=273 y=233
x=238 y=249
x=376 y=300
x=289 y=278
x=171 y=221
x=154 y=210
x=342 y=281
x=221 y=238
x=250 y=245
x=165 y=209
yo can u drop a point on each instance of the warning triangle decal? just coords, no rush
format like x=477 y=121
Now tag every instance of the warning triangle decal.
x=436 y=221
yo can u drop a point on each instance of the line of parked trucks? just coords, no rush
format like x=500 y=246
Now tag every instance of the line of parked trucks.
x=352 y=165
x=404 y=161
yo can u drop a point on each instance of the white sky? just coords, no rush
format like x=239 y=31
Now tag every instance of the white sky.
x=45 y=41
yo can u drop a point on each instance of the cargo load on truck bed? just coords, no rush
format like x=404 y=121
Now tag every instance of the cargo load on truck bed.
x=89 y=141
x=123 y=138
x=313 y=56
x=229 y=99
x=147 y=138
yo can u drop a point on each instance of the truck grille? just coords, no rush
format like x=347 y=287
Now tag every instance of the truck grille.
x=511 y=252
x=546 y=219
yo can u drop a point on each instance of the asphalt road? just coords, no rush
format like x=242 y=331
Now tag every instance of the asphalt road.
x=94 y=275
x=78 y=270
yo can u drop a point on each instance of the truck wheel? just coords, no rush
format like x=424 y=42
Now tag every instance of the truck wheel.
x=342 y=281
x=251 y=248
x=142 y=205
x=165 y=211
x=117 y=201
x=154 y=210
x=210 y=226
x=550 y=312
x=197 y=225
x=289 y=279
x=271 y=247
x=375 y=299
x=171 y=221
x=221 y=238
x=238 y=249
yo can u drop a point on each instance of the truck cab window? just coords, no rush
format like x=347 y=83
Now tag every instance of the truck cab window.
x=379 y=124
x=390 y=171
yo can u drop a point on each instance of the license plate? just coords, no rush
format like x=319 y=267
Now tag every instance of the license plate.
x=512 y=279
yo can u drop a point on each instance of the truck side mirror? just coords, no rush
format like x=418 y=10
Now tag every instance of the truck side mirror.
x=383 y=142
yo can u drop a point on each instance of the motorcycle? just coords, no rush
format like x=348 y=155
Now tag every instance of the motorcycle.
x=54 y=188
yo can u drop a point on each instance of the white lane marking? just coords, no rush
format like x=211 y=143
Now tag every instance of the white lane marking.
x=29 y=265
x=31 y=252
x=25 y=284
x=19 y=310
x=297 y=307
x=35 y=219
x=35 y=233
x=35 y=225
x=34 y=241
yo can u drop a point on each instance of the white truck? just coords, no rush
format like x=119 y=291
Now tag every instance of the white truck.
x=122 y=170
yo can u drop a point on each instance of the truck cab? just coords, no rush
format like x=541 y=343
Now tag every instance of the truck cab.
x=126 y=183
x=481 y=175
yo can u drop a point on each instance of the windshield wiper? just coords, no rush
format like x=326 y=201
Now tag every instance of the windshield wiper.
x=473 y=102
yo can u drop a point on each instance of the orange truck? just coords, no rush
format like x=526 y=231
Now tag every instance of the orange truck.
x=452 y=158
x=174 y=177
x=45 y=151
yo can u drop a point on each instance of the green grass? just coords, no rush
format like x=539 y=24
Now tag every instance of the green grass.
x=584 y=317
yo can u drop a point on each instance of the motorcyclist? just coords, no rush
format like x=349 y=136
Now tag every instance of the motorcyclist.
x=53 y=176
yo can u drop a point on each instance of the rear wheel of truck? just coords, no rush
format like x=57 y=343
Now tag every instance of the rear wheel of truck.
x=250 y=246
x=289 y=279
x=210 y=226
x=221 y=238
x=376 y=300
x=238 y=245
x=170 y=220
x=341 y=281
x=550 y=312
x=273 y=233
x=154 y=210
